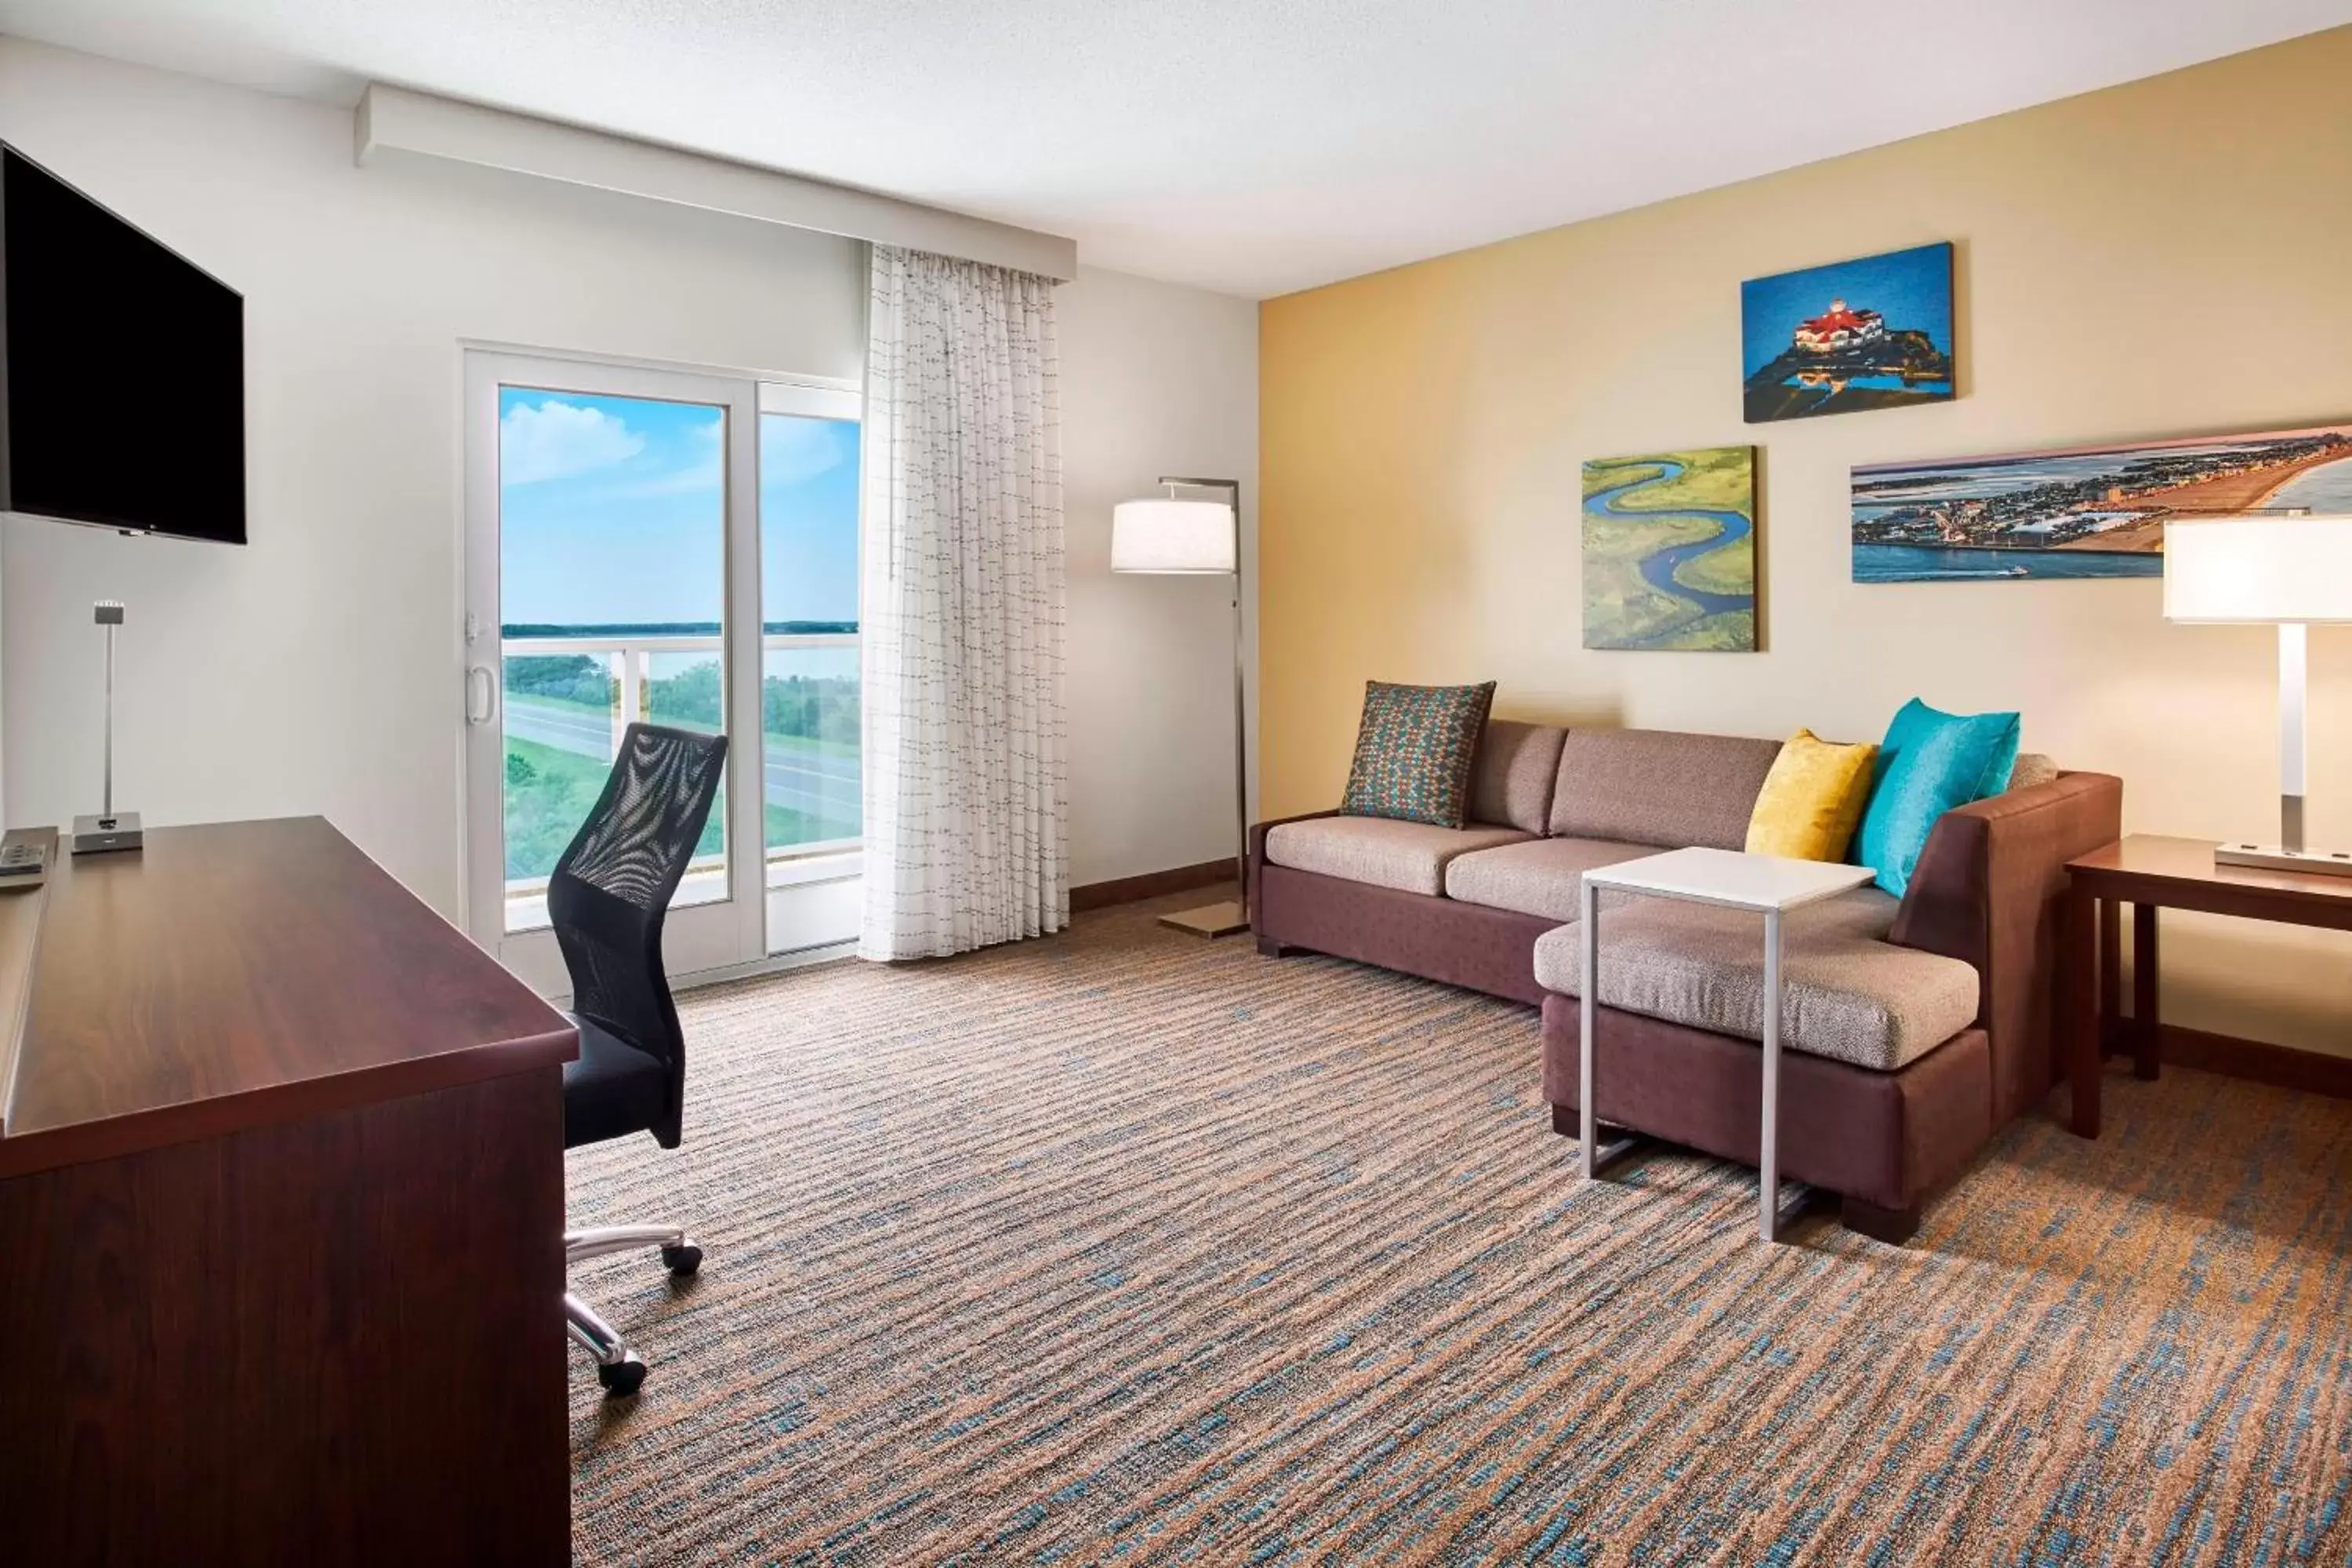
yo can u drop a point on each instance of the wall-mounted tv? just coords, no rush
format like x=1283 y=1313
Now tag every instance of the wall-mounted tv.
x=122 y=370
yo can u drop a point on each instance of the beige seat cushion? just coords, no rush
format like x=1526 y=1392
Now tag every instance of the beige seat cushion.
x=1538 y=878
x=1846 y=993
x=1409 y=856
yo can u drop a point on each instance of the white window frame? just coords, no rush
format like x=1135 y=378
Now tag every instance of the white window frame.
x=818 y=874
x=705 y=935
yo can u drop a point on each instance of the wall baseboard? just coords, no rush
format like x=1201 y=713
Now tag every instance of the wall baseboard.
x=1151 y=885
x=2283 y=1067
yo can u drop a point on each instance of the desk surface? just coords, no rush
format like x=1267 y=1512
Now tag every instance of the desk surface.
x=2179 y=873
x=241 y=973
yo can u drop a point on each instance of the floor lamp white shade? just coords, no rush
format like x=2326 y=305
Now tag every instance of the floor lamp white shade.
x=1170 y=536
x=2283 y=571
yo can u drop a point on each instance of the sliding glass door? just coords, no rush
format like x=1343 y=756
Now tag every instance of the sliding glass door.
x=808 y=663
x=617 y=519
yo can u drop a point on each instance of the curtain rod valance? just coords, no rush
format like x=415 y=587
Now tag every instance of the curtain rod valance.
x=394 y=121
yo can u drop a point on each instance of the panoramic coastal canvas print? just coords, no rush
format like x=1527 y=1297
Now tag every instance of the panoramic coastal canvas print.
x=1670 y=551
x=2087 y=511
x=1871 y=333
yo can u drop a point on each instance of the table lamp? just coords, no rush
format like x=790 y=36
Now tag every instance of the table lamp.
x=109 y=829
x=1171 y=536
x=2288 y=570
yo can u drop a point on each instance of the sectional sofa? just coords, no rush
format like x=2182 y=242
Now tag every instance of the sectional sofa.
x=1912 y=1028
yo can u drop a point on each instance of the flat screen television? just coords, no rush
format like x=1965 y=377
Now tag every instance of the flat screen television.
x=122 y=370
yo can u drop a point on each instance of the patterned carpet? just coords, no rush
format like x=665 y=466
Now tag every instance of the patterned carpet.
x=1126 y=1248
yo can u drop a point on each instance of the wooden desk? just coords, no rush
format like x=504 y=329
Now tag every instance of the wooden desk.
x=281 y=1206
x=2150 y=872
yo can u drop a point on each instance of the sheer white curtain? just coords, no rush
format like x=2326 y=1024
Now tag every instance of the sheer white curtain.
x=966 y=835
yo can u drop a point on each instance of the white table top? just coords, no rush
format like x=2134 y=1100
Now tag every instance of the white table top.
x=1731 y=878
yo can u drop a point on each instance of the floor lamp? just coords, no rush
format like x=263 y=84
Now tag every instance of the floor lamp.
x=2286 y=570
x=1171 y=536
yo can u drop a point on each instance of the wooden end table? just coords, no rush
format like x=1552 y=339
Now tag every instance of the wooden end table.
x=1763 y=884
x=2151 y=872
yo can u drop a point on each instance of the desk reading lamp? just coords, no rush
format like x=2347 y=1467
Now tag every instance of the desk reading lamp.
x=109 y=829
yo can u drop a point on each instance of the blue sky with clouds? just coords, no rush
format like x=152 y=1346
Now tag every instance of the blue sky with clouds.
x=613 y=509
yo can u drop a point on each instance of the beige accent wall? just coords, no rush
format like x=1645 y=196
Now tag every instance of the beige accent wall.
x=2169 y=258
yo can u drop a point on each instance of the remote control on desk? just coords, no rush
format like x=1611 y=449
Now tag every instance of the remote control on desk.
x=23 y=862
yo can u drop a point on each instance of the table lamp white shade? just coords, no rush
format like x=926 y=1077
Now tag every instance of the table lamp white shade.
x=1165 y=535
x=2286 y=570
x=2259 y=569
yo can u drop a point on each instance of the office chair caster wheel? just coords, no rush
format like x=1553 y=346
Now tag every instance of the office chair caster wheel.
x=682 y=1259
x=622 y=1377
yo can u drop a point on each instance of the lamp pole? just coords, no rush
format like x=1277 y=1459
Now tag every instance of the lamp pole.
x=109 y=829
x=1232 y=489
x=2294 y=685
x=109 y=615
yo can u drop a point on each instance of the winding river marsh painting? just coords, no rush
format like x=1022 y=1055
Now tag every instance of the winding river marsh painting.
x=1670 y=551
x=2084 y=511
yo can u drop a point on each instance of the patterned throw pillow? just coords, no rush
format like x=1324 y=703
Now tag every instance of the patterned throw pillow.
x=1414 y=750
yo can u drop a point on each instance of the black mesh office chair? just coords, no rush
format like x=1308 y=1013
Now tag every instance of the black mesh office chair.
x=607 y=901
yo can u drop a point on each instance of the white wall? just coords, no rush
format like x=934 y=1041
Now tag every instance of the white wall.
x=317 y=670
x=1156 y=379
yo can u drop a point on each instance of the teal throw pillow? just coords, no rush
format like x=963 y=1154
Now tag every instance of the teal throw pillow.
x=1929 y=763
x=1414 y=750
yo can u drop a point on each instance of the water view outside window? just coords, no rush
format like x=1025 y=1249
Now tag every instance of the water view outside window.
x=613 y=578
x=808 y=687
x=612 y=571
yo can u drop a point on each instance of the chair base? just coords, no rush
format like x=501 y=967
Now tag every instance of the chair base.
x=619 y=1369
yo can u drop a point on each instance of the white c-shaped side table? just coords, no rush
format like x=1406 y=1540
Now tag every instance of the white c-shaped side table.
x=1766 y=884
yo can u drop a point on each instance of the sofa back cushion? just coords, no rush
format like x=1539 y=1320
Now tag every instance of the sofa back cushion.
x=1512 y=782
x=2032 y=771
x=1658 y=787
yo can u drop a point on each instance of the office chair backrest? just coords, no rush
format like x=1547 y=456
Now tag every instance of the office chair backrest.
x=612 y=888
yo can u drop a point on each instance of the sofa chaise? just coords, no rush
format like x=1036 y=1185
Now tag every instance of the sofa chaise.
x=1913 y=1028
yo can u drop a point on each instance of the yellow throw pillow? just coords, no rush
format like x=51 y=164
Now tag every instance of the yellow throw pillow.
x=1812 y=799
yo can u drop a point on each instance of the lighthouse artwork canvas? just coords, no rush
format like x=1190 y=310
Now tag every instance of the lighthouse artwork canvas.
x=1874 y=333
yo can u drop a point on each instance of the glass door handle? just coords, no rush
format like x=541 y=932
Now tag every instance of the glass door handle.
x=481 y=681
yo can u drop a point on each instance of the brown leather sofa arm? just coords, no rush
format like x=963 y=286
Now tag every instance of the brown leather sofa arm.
x=1987 y=890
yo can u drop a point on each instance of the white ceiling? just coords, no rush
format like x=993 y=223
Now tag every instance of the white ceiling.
x=1255 y=146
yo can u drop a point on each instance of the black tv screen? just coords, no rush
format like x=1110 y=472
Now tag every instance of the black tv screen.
x=122 y=370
